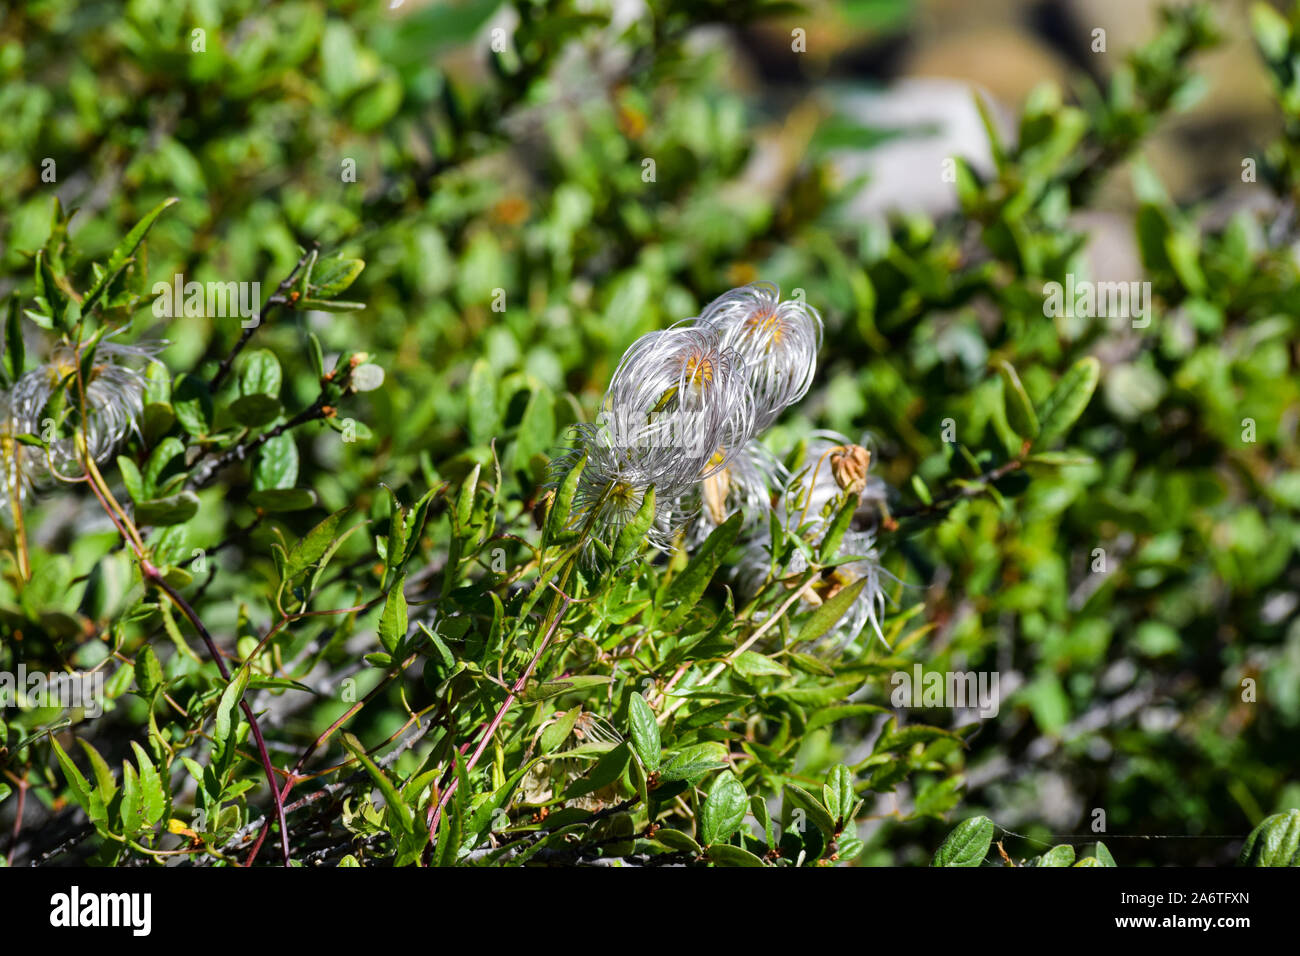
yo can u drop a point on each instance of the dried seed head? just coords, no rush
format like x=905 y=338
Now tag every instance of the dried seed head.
x=676 y=397
x=755 y=569
x=831 y=467
x=869 y=607
x=849 y=465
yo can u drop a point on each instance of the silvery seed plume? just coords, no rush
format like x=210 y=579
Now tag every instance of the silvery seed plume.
x=778 y=341
x=114 y=398
x=676 y=400
x=745 y=485
x=675 y=405
x=755 y=568
x=869 y=607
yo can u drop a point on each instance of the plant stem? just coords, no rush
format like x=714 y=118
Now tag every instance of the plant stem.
x=974 y=487
x=205 y=472
x=515 y=689
x=277 y=298
x=749 y=642
x=154 y=576
x=20 y=531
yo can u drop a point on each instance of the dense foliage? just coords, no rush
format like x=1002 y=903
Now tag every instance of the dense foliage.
x=338 y=545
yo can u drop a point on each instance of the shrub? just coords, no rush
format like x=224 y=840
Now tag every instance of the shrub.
x=358 y=548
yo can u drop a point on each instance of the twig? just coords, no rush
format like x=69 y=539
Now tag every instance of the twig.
x=205 y=472
x=767 y=625
x=972 y=488
x=279 y=297
x=155 y=577
x=518 y=686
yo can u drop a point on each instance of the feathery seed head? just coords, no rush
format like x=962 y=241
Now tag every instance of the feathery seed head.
x=778 y=342
x=674 y=400
x=114 y=393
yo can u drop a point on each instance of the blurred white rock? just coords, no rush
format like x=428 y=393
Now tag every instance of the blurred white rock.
x=938 y=120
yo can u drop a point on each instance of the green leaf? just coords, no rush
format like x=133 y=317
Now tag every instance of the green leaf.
x=1060 y=855
x=331 y=276
x=685 y=590
x=991 y=132
x=174 y=509
x=830 y=543
x=536 y=433
x=555 y=735
x=313 y=547
x=645 y=733
x=465 y=499
x=749 y=664
x=813 y=807
x=830 y=715
x=223 y=729
x=1272 y=32
x=325 y=305
x=122 y=252
x=724 y=809
x=677 y=840
x=1067 y=402
x=283 y=499
x=78 y=783
x=129 y=809
x=149 y=673
x=724 y=854
x=608 y=769
x=904 y=738
x=557 y=521
x=1020 y=411
x=260 y=374
x=166 y=451
x=825 y=617
x=277 y=464
x=1103 y=855
x=693 y=762
x=104 y=781
x=922 y=491
x=1275 y=842
x=153 y=799
x=192 y=404
x=131 y=477
x=482 y=416
x=542 y=690
x=15 y=354
x=1153 y=228
x=398 y=811
x=967 y=844
x=838 y=794
x=254 y=411
x=392 y=623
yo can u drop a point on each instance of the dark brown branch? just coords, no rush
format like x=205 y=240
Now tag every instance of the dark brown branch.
x=208 y=470
x=279 y=297
x=972 y=488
